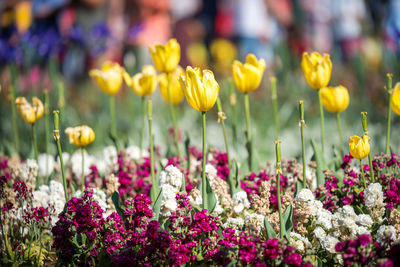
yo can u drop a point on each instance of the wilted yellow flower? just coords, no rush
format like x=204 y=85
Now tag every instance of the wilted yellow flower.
x=248 y=76
x=200 y=88
x=143 y=83
x=80 y=135
x=109 y=77
x=31 y=113
x=359 y=147
x=166 y=57
x=317 y=69
x=175 y=86
x=23 y=16
x=335 y=99
x=396 y=99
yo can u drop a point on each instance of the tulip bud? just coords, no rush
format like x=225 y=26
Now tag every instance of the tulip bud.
x=317 y=69
x=109 y=77
x=143 y=83
x=200 y=88
x=396 y=99
x=80 y=135
x=175 y=86
x=335 y=99
x=30 y=113
x=166 y=57
x=359 y=147
x=248 y=76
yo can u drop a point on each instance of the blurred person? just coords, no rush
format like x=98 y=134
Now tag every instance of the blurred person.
x=347 y=17
x=392 y=27
x=317 y=17
x=149 y=22
x=255 y=29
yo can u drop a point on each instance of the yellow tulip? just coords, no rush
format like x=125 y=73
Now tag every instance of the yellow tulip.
x=109 y=77
x=143 y=83
x=335 y=99
x=166 y=57
x=396 y=99
x=248 y=76
x=23 y=16
x=80 y=135
x=359 y=147
x=317 y=69
x=200 y=88
x=175 y=86
x=31 y=113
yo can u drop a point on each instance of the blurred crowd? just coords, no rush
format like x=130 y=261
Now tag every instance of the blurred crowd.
x=78 y=34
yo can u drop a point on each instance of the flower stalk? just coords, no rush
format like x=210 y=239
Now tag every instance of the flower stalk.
x=278 y=186
x=339 y=126
x=203 y=171
x=155 y=186
x=83 y=169
x=302 y=124
x=274 y=98
x=112 y=119
x=56 y=135
x=173 y=115
x=389 y=90
x=321 y=112
x=46 y=126
x=362 y=174
x=364 y=125
x=248 y=130
x=143 y=104
x=34 y=142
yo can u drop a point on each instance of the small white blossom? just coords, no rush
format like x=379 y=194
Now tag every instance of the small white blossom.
x=386 y=233
x=240 y=202
x=373 y=196
x=305 y=195
x=46 y=164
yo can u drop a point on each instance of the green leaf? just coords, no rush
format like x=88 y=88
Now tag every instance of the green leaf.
x=288 y=220
x=270 y=230
x=157 y=206
x=211 y=199
x=117 y=203
x=299 y=186
x=233 y=180
x=321 y=165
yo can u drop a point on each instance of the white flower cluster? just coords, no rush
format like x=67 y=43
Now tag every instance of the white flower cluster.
x=254 y=220
x=76 y=163
x=299 y=242
x=46 y=164
x=170 y=183
x=386 y=233
x=107 y=159
x=330 y=227
x=134 y=153
x=50 y=195
x=373 y=196
x=239 y=202
x=234 y=223
x=29 y=170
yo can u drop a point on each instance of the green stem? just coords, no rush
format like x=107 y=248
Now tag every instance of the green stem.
x=278 y=186
x=339 y=126
x=303 y=149
x=46 y=127
x=41 y=246
x=14 y=118
x=112 y=119
x=34 y=142
x=83 y=169
x=274 y=98
x=389 y=113
x=248 y=122
x=232 y=101
x=362 y=174
x=365 y=128
x=248 y=131
x=219 y=106
x=155 y=186
x=203 y=171
x=61 y=99
x=321 y=112
x=56 y=134
x=173 y=116
x=143 y=104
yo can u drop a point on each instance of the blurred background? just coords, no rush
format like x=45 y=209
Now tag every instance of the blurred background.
x=52 y=44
